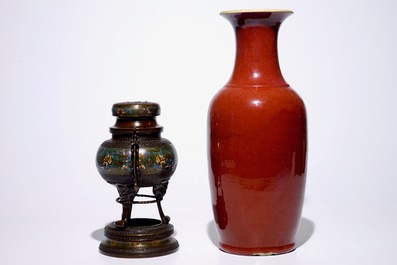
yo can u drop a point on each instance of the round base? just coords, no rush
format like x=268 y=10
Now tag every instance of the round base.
x=265 y=251
x=142 y=238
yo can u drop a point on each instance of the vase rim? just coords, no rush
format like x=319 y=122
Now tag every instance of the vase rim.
x=255 y=10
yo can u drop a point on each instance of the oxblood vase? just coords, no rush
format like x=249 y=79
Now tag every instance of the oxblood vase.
x=257 y=144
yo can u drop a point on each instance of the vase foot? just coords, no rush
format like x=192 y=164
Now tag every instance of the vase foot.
x=143 y=237
x=257 y=251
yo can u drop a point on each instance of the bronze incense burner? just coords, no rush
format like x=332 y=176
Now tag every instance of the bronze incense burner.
x=135 y=157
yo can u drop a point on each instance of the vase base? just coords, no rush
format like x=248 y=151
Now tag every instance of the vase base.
x=142 y=238
x=257 y=251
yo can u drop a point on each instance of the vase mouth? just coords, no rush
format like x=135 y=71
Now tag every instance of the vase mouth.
x=256 y=10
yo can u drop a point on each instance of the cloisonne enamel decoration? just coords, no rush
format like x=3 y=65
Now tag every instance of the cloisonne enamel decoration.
x=137 y=157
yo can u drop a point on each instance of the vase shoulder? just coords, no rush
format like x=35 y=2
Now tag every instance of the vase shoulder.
x=243 y=99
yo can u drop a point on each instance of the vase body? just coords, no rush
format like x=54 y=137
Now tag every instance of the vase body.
x=257 y=144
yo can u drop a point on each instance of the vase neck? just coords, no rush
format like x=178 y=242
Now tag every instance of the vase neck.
x=256 y=62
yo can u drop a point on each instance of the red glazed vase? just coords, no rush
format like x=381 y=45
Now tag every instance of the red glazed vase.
x=257 y=144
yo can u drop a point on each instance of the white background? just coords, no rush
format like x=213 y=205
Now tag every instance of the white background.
x=64 y=63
